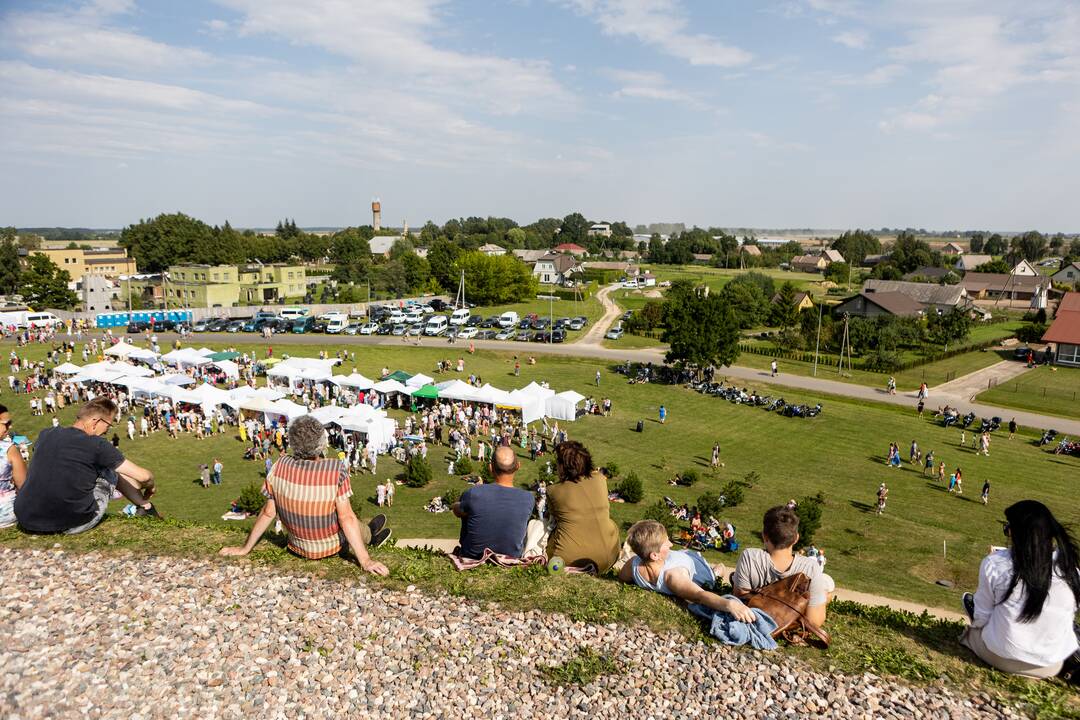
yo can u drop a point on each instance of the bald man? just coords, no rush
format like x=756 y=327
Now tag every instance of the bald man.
x=495 y=515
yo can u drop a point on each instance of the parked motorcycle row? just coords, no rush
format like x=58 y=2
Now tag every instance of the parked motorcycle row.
x=1064 y=446
x=954 y=419
x=740 y=397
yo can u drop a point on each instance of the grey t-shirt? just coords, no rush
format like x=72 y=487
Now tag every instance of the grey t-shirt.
x=755 y=570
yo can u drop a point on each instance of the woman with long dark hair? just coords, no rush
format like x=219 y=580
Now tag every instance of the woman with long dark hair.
x=12 y=470
x=1022 y=613
x=584 y=532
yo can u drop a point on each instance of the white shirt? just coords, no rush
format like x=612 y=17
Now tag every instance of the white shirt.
x=1047 y=640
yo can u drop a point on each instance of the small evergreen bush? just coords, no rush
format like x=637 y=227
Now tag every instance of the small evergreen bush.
x=709 y=504
x=689 y=477
x=659 y=512
x=251 y=498
x=809 y=511
x=417 y=472
x=732 y=493
x=631 y=489
x=451 y=496
x=464 y=466
x=611 y=469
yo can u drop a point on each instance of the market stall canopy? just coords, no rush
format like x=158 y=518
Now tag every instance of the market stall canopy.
x=143 y=355
x=532 y=406
x=256 y=404
x=188 y=356
x=120 y=349
x=456 y=390
x=288 y=408
x=316 y=374
x=225 y=355
x=563 y=406
x=491 y=395
x=231 y=369
x=66 y=369
x=389 y=386
x=419 y=381
x=328 y=413
x=537 y=390
x=427 y=392
x=177 y=379
x=355 y=380
x=400 y=375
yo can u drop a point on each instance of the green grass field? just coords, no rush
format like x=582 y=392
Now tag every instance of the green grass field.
x=841 y=454
x=1054 y=391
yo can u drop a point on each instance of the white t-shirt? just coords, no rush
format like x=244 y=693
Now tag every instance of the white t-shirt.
x=1045 y=641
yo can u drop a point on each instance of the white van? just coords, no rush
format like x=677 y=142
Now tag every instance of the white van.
x=332 y=314
x=397 y=316
x=460 y=317
x=436 y=325
x=508 y=319
x=293 y=313
x=41 y=320
x=336 y=324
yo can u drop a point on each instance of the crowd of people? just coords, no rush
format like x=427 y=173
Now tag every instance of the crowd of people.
x=1021 y=613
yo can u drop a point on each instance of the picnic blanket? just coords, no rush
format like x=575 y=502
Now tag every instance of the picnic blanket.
x=491 y=557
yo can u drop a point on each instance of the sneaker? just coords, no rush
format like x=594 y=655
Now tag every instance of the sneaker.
x=376 y=524
x=149 y=512
x=380 y=537
x=968 y=601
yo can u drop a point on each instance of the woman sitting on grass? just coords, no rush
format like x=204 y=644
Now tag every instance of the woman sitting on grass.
x=584 y=532
x=1023 y=610
x=12 y=470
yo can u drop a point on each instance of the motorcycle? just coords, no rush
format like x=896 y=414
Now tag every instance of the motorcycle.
x=1048 y=437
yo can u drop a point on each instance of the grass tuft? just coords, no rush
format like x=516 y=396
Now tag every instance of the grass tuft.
x=585 y=667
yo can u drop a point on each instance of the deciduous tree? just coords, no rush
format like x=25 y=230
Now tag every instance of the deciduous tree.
x=44 y=285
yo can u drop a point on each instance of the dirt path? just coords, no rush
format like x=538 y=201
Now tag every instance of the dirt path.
x=595 y=335
x=965 y=388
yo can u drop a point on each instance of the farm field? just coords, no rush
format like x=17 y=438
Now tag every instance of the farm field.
x=1054 y=391
x=840 y=454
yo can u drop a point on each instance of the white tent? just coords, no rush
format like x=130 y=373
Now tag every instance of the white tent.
x=456 y=390
x=419 y=381
x=373 y=423
x=177 y=379
x=532 y=406
x=147 y=386
x=143 y=355
x=231 y=369
x=315 y=373
x=563 y=406
x=187 y=357
x=537 y=390
x=210 y=397
x=254 y=403
x=494 y=396
x=67 y=369
x=284 y=408
x=120 y=349
x=328 y=413
x=355 y=380
x=390 y=386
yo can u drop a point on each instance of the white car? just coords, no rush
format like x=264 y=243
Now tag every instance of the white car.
x=614 y=333
x=467 y=332
x=507 y=334
x=369 y=328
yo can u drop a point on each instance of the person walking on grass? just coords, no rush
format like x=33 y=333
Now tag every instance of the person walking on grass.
x=390 y=492
x=882 y=497
x=597 y=378
x=1012 y=428
x=663 y=415
x=716 y=454
x=986 y=493
x=217 y=468
x=928 y=466
x=890 y=386
x=204 y=475
x=775 y=368
x=941 y=472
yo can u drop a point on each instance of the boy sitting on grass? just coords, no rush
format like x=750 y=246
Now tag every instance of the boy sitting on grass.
x=655 y=566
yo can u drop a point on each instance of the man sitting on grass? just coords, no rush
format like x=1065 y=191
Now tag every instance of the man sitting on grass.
x=655 y=566
x=495 y=516
x=759 y=567
x=311 y=495
x=73 y=473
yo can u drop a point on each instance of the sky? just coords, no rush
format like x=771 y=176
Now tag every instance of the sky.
x=945 y=114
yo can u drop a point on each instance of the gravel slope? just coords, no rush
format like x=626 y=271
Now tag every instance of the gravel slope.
x=106 y=637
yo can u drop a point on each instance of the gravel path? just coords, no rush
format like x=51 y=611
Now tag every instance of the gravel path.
x=106 y=637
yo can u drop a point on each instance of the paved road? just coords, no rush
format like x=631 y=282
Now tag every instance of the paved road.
x=751 y=376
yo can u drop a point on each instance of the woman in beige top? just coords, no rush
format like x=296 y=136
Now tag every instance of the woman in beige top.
x=584 y=532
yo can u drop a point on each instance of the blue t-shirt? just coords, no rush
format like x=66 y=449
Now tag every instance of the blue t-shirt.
x=496 y=519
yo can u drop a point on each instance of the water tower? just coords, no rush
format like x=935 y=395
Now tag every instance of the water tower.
x=376 y=214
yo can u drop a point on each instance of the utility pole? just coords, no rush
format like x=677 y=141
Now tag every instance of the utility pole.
x=817 y=343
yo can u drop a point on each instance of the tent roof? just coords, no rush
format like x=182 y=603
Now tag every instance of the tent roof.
x=120 y=349
x=353 y=380
x=225 y=355
x=429 y=392
x=571 y=395
x=389 y=386
x=67 y=369
x=419 y=380
x=400 y=375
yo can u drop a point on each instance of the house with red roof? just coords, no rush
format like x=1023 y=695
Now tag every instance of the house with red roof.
x=570 y=249
x=1064 y=332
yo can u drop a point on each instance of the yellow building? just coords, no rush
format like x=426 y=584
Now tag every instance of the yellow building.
x=227 y=285
x=110 y=262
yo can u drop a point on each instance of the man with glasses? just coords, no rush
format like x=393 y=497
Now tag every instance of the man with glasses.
x=73 y=473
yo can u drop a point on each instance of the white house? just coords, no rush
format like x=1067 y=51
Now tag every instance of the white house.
x=492 y=250
x=556 y=268
x=1024 y=268
x=1068 y=275
x=381 y=244
x=970 y=262
x=600 y=230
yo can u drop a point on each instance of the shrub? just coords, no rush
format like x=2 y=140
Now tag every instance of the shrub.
x=251 y=498
x=709 y=504
x=809 y=511
x=883 y=361
x=611 y=469
x=1031 y=333
x=451 y=496
x=464 y=466
x=732 y=493
x=417 y=472
x=689 y=477
x=659 y=512
x=751 y=479
x=630 y=489
x=544 y=475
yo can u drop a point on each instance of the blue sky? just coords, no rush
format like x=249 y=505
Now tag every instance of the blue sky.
x=794 y=113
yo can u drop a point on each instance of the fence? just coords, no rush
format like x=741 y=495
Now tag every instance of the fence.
x=1033 y=391
x=859 y=363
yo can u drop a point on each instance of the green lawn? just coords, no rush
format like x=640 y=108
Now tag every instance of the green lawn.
x=716 y=278
x=841 y=454
x=1050 y=390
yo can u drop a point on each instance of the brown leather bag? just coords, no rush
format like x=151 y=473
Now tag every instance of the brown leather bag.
x=786 y=601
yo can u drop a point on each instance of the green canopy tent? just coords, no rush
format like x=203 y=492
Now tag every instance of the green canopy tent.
x=400 y=375
x=223 y=356
x=428 y=392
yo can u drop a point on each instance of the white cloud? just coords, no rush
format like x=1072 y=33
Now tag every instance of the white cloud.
x=659 y=23
x=767 y=142
x=882 y=75
x=649 y=86
x=854 y=39
x=83 y=37
x=392 y=38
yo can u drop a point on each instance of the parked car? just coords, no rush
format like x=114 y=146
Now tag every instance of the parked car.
x=558 y=336
x=385 y=329
x=235 y=326
x=524 y=324
x=416 y=329
x=1020 y=353
x=614 y=333
x=476 y=321
x=524 y=336
x=217 y=325
x=542 y=336
x=438 y=305
x=200 y=325
x=563 y=323
x=485 y=335
x=507 y=334
x=541 y=323
x=400 y=329
x=352 y=329
x=578 y=323
x=369 y=328
x=467 y=332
